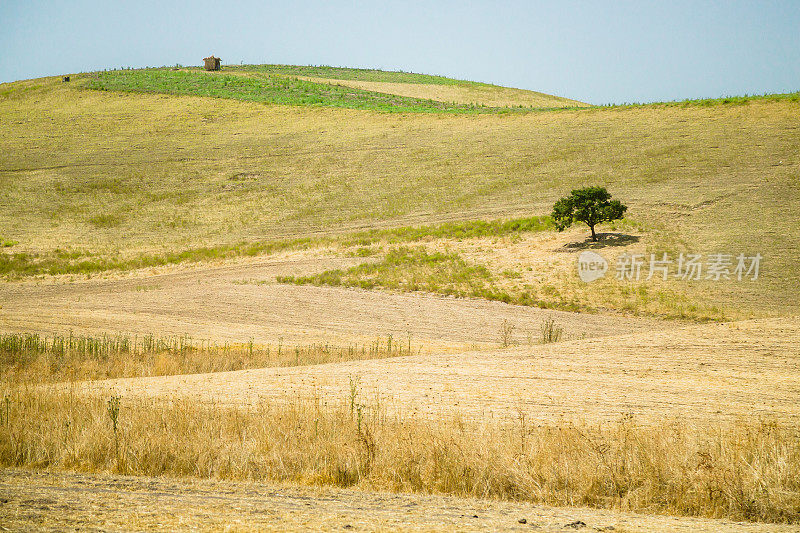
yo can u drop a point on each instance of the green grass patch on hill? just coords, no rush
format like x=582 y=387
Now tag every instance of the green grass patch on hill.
x=359 y=74
x=270 y=89
x=470 y=229
x=425 y=269
x=414 y=269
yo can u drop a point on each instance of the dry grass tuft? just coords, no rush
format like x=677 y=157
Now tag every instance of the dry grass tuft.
x=745 y=471
x=31 y=358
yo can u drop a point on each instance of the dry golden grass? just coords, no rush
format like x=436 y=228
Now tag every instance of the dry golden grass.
x=739 y=471
x=26 y=358
x=544 y=265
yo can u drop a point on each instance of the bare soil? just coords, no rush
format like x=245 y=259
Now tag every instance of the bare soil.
x=240 y=301
x=702 y=373
x=46 y=501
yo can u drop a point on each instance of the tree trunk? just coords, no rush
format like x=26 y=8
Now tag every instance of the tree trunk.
x=594 y=236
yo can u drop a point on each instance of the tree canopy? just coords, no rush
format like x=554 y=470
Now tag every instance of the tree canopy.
x=590 y=205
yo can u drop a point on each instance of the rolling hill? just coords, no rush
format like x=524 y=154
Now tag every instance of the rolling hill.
x=349 y=277
x=128 y=169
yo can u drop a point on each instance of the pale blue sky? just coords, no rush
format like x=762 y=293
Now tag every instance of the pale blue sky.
x=598 y=52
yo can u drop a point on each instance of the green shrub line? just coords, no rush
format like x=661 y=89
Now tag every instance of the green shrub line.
x=415 y=270
x=61 y=262
x=74 y=262
x=418 y=269
x=708 y=102
x=19 y=347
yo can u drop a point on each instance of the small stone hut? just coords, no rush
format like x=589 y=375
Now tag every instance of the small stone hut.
x=211 y=63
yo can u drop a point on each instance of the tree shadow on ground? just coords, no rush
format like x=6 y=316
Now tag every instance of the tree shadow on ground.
x=604 y=240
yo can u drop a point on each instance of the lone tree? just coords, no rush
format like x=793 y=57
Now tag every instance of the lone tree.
x=591 y=205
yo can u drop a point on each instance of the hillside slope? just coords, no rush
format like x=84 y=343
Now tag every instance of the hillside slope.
x=97 y=177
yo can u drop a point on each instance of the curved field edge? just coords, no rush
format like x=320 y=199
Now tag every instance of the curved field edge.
x=478 y=94
x=271 y=89
x=398 y=77
x=268 y=88
x=442 y=270
x=354 y=74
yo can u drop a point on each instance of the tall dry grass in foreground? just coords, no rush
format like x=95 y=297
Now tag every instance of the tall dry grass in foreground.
x=31 y=358
x=746 y=471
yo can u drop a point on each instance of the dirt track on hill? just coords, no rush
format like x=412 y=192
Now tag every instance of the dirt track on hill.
x=241 y=301
x=60 y=501
x=706 y=373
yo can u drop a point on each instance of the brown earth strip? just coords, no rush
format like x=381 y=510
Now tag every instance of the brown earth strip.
x=59 y=501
